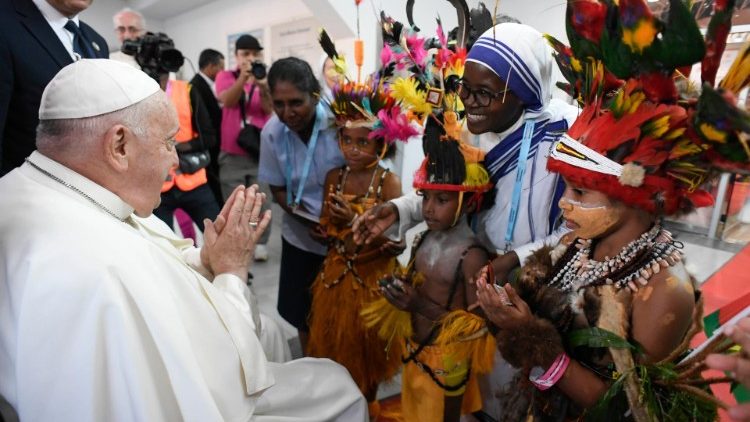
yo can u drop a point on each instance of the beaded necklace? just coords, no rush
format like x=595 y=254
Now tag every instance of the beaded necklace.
x=370 y=189
x=636 y=263
x=340 y=245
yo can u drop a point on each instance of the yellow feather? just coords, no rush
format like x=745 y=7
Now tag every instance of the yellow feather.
x=476 y=175
x=674 y=134
x=619 y=98
x=658 y=127
x=406 y=92
x=738 y=75
x=640 y=36
x=712 y=133
x=339 y=64
x=636 y=100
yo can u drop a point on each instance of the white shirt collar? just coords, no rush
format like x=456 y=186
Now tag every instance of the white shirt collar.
x=52 y=15
x=57 y=21
x=96 y=192
x=208 y=80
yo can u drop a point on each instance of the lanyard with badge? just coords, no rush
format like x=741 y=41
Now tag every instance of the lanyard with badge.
x=294 y=202
x=523 y=156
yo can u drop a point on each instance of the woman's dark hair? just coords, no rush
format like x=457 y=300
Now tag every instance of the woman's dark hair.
x=294 y=71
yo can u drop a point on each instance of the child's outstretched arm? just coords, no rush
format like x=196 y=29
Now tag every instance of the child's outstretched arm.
x=391 y=189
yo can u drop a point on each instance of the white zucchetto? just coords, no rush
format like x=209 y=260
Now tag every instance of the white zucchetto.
x=92 y=87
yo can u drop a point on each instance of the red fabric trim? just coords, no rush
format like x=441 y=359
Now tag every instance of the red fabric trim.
x=644 y=196
x=420 y=182
x=452 y=188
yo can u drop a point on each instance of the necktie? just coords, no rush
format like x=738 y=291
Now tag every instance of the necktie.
x=80 y=43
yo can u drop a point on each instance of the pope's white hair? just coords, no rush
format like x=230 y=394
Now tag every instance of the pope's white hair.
x=76 y=136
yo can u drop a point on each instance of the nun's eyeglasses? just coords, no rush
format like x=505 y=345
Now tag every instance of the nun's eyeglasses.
x=482 y=97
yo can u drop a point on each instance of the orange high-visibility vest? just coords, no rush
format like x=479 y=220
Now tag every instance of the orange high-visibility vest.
x=179 y=93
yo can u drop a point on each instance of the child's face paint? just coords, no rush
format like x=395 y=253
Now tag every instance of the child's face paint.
x=359 y=151
x=439 y=208
x=589 y=214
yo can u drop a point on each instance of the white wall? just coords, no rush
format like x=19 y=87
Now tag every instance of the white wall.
x=546 y=16
x=209 y=25
x=99 y=16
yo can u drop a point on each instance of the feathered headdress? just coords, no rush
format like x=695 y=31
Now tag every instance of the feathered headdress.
x=423 y=73
x=423 y=76
x=367 y=104
x=450 y=166
x=636 y=140
x=446 y=166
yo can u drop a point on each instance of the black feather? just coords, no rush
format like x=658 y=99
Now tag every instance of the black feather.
x=391 y=29
x=328 y=46
x=410 y=14
x=462 y=10
x=445 y=162
x=481 y=21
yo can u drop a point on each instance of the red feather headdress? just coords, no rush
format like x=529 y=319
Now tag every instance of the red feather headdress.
x=635 y=140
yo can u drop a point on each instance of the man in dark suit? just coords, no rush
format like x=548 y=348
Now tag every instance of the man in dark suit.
x=210 y=63
x=37 y=39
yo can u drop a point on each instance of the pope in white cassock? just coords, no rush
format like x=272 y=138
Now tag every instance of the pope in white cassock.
x=104 y=314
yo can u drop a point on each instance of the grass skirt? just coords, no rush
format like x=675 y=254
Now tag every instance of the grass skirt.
x=338 y=332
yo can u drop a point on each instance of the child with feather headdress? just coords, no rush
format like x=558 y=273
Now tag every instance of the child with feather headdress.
x=598 y=325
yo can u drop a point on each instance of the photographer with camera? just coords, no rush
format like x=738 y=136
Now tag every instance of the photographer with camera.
x=186 y=185
x=246 y=99
x=130 y=25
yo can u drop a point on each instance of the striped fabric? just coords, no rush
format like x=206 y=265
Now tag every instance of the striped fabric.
x=519 y=56
x=503 y=158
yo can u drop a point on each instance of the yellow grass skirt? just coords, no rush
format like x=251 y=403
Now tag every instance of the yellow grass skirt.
x=338 y=332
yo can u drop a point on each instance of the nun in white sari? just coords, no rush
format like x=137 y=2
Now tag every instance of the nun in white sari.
x=507 y=92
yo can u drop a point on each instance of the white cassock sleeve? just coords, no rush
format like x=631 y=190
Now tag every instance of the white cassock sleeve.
x=409 y=215
x=105 y=354
x=311 y=390
x=231 y=286
x=269 y=332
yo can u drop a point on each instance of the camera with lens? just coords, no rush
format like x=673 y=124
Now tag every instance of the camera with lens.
x=258 y=69
x=155 y=54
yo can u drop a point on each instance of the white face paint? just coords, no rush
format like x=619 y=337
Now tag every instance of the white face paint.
x=589 y=220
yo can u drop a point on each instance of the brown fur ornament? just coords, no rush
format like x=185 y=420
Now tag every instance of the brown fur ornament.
x=548 y=302
x=533 y=343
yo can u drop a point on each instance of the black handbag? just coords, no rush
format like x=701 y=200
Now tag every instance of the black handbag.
x=249 y=137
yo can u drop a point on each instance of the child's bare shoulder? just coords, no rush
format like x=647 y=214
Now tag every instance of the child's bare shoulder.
x=333 y=175
x=391 y=186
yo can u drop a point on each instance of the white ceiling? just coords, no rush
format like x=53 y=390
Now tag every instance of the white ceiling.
x=164 y=9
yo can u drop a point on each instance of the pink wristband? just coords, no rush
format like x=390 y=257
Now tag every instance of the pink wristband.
x=553 y=374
